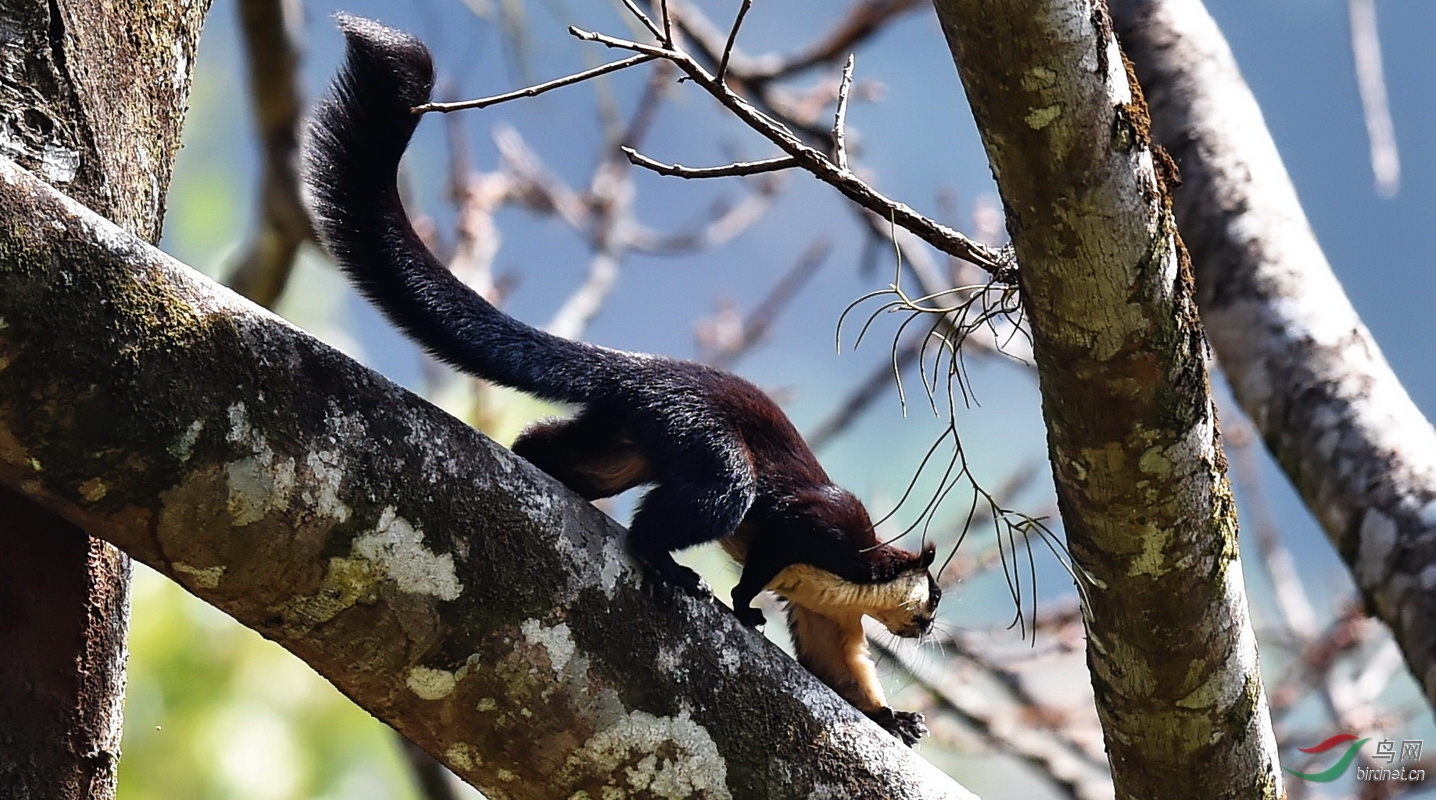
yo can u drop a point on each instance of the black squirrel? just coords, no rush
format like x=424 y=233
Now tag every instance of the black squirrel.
x=723 y=460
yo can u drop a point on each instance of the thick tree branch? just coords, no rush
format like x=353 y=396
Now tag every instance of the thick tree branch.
x=1132 y=433
x=449 y=588
x=1300 y=361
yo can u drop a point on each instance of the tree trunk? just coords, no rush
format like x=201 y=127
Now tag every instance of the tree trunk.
x=1132 y=431
x=98 y=116
x=1300 y=361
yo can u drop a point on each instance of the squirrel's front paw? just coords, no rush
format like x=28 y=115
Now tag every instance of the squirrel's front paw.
x=909 y=726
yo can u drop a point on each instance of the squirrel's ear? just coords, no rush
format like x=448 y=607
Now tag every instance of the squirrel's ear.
x=928 y=554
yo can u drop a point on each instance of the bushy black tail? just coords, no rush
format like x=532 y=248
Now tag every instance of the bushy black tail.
x=351 y=162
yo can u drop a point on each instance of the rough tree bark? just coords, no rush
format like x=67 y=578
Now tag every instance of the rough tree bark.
x=1132 y=433
x=446 y=586
x=94 y=96
x=1299 y=359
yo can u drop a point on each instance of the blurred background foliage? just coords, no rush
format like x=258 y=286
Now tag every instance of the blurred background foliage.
x=215 y=712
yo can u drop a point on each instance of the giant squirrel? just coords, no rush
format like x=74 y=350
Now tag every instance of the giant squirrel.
x=723 y=460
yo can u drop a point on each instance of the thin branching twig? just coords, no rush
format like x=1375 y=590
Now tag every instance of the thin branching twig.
x=840 y=118
x=732 y=39
x=537 y=89
x=997 y=262
x=735 y=169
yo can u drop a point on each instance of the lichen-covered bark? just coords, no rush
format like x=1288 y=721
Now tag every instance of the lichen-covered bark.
x=1299 y=359
x=1132 y=432
x=447 y=587
x=93 y=94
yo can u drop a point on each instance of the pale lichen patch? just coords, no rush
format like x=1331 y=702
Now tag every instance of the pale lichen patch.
x=612 y=567
x=183 y=447
x=672 y=659
x=94 y=489
x=557 y=641
x=691 y=764
x=1039 y=118
x=461 y=755
x=203 y=577
x=1153 y=558
x=431 y=684
x=347 y=583
x=397 y=549
x=327 y=468
x=239 y=429
x=1038 y=78
x=1154 y=461
x=730 y=661
x=259 y=483
x=1125 y=657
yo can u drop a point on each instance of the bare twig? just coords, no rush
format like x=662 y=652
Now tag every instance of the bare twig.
x=1315 y=659
x=1366 y=48
x=840 y=118
x=932 y=280
x=647 y=22
x=732 y=39
x=861 y=22
x=667 y=22
x=737 y=168
x=604 y=212
x=995 y=261
x=537 y=89
x=909 y=351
